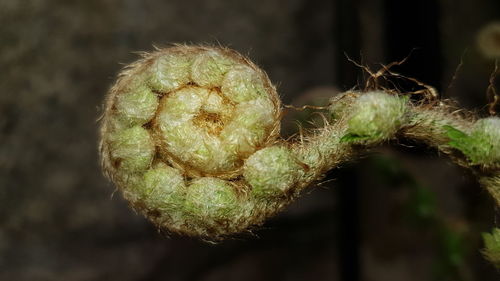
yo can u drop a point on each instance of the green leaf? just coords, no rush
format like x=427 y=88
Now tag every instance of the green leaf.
x=454 y=134
x=353 y=138
x=460 y=140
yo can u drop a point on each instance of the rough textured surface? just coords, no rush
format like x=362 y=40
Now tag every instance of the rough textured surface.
x=132 y=149
x=59 y=220
x=481 y=145
x=376 y=116
x=487 y=133
x=199 y=128
x=271 y=171
x=202 y=110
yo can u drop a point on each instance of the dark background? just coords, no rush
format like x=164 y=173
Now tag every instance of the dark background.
x=400 y=214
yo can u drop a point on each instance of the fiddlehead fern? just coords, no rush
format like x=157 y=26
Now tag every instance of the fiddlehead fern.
x=191 y=137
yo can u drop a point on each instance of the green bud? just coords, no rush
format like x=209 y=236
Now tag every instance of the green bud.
x=243 y=84
x=136 y=106
x=271 y=171
x=170 y=72
x=132 y=149
x=211 y=200
x=162 y=187
x=375 y=116
x=209 y=68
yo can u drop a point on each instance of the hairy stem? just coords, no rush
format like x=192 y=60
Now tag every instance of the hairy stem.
x=191 y=136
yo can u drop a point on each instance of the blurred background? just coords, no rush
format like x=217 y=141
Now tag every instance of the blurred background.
x=401 y=213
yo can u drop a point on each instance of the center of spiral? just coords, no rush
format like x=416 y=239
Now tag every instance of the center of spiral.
x=208 y=123
x=212 y=122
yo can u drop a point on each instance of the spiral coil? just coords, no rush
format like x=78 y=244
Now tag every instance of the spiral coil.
x=190 y=134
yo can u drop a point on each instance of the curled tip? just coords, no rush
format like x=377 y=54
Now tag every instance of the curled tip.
x=178 y=127
x=190 y=134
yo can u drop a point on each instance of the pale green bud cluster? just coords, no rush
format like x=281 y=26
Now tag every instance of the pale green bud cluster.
x=375 y=116
x=206 y=108
x=205 y=131
x=170 y=71
x=136 y=106
x=132 y=149
x=179 y=126
x=209 y=69
x=211 y=198
x=271 y=171
x=162 y=190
